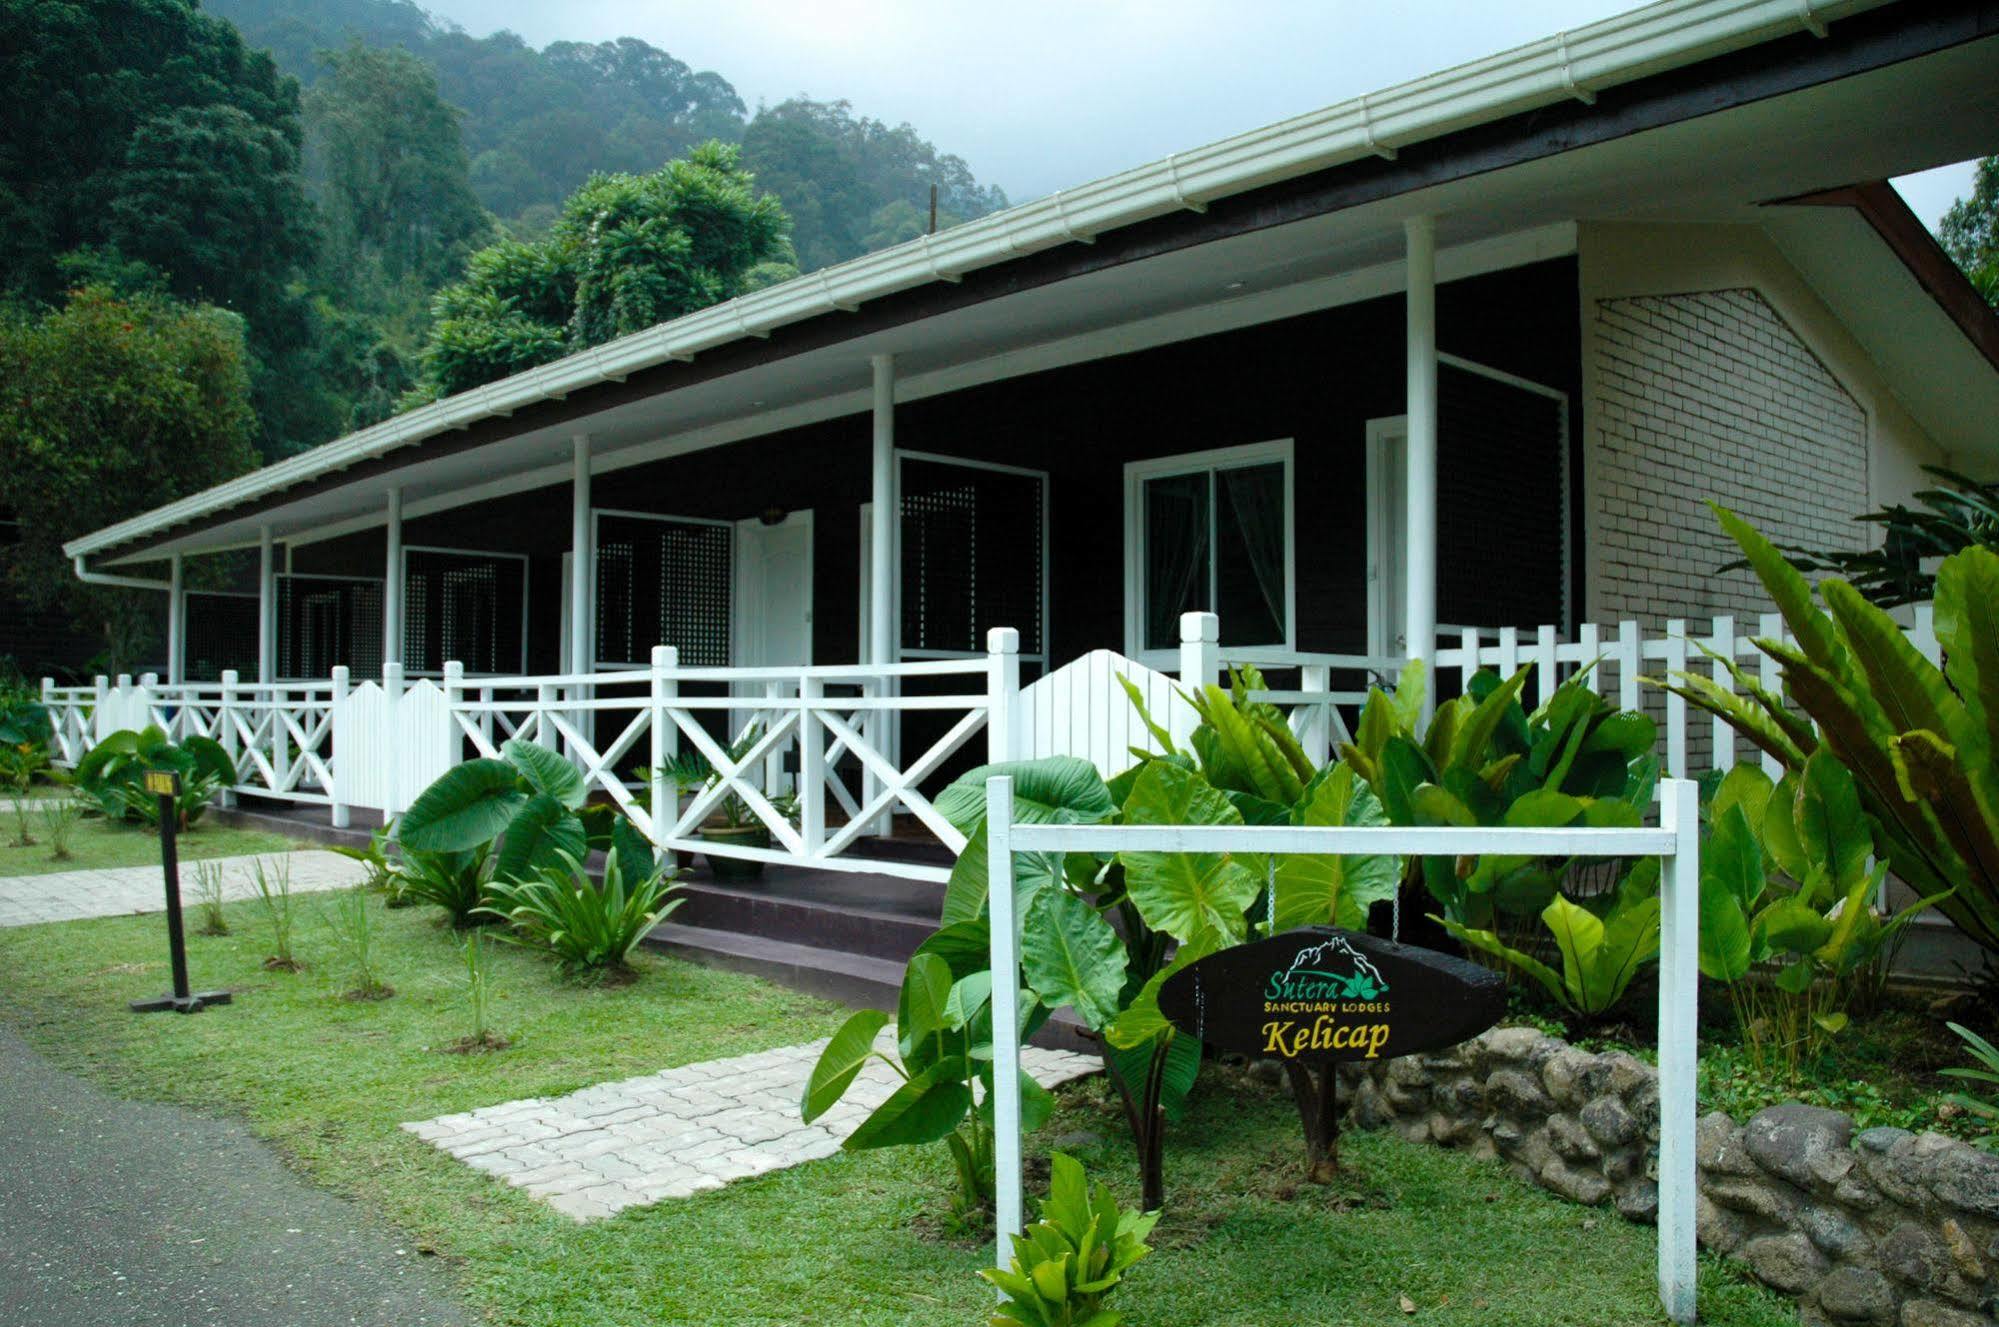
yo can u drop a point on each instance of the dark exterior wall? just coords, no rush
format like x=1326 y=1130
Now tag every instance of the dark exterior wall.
x=1316 y=379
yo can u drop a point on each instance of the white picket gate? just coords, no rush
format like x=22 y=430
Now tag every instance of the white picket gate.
x=1081 y=710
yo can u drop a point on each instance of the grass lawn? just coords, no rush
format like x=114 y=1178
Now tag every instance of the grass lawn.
x=97 y=843
x=852 y=1240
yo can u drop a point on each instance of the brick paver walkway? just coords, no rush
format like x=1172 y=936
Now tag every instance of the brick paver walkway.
x=62 y=896
x=669 y=1135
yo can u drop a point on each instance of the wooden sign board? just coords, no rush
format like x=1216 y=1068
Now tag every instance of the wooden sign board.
x=162 y=783
x=1320 y=995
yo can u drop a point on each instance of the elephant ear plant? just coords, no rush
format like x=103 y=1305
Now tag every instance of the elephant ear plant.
x=1918 y=738
x=531 y=802
x=1066 y=1263
x=112 y=774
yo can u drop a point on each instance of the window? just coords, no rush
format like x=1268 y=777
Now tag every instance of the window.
x=322 y=621
x=464 y=606
x=1211 y=531
x=663 y=580
x=971 y=554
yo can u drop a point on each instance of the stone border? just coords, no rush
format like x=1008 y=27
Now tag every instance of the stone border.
x=1883 y=1226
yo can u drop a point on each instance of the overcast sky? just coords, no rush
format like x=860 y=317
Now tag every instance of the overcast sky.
x=1042 y=94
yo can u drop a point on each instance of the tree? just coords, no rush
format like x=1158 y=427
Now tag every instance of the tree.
x=390 y=175
x=1970 y=231
x=109 y=406
x=626 y=253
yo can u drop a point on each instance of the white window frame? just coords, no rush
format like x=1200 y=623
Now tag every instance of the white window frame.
x=597 y=563
x=1137 y=473
x=520 y=669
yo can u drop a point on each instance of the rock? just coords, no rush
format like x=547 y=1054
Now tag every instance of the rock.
x=1625 y=1074
x=1450 y=1130
x=1913 y=1256
x=1966 y=1178
x=1962 y=1251
x=1406 y=1099
x=1407 y=1072
x=1505 y=1133
x=1898 y=1173
x=1855 y=1192
x=1609 y=1122
x=1785 y=1262
x=1830 y=1169
x=1929 y=1313
x=1786 y=1140
x=1516 y=1092
x=1719 y=1149
x=1854 y=1294
x=1715 y=1227
x=1621 y=1164
x=1574 y=1183
x=1268 y=1072
x=1570 y=1140
x=1565 y=1074
x=1832 y=1231
x=1512 y=1043
x=1880 y=1140
x=1638 y=1200
x=1461 y=1096
x=1752 y=1196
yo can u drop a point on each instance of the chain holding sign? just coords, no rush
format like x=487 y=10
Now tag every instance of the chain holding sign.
x=165 y=785
x=1320 y=996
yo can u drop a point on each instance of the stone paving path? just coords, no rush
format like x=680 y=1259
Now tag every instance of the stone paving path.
x=670 y=1135
x=61 y=896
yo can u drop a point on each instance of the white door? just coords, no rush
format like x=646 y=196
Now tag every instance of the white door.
x=773 y=619
x=1387 y=484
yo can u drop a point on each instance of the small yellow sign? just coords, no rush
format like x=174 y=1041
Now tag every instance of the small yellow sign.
x=162 y=783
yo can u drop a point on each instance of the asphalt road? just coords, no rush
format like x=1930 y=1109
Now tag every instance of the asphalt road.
x=145 y=1215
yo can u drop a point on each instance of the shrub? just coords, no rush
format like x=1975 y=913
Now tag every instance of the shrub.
x=479 y=999
x=112 y=774
x=353 y=929
x=589 y=927
x=1984 y=1108
x=208 y=898
x=455 y=881
x=1068 y=1262
x=529 y=803
x=59 y=821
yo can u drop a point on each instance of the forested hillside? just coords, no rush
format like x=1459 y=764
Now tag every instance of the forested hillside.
x=537 y=123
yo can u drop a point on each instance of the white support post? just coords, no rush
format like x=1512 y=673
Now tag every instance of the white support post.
x=774 y=758
x=392 y=693
x=1770 y=626
x=1005 y=968
x=225 y=719
x=100 y=712
x=1317 y=738
x=267 y=608
x=882 y=725
x=1419 y=524
x=811 y=764
x=1679 y=975
x=546 y=699
x=1676 y=705
x=176 y=623
x=580 y=579
x=339 y=702
x=392 y=579
x=1002 y=692
x=1200 y=651
x=392 y=679
x=1723 y=735
x=1509 y=652
x=663 y=794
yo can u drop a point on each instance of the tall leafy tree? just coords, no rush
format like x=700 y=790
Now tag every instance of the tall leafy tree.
x=389 y=171
x=1970 y=231
x=627 y=252
x=110 y=405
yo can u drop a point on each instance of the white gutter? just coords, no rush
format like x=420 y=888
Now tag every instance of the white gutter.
x=89 y=577
x=1570 y=65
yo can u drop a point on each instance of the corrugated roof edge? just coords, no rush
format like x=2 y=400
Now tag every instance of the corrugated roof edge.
x=1575 y=64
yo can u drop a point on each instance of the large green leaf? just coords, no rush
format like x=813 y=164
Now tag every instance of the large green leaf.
x=1745 y=786
x=546 y=772
x=1322 y=890
x=1724 y=930
x=920 y=1011
x=923 y=1110
x=1910 y=689
x=965 y=893
x=1183 y=1065
x=469 y=805
x=1831 y=828
x=1475 y=736
x=1489 y=943
x=1071 y=956
x=1967 y=626
x=1733 y=859
x=538 y=836
x=842 y=1060
x=210 y=758
x=1791 y=926
x=1197 y=898
x=1059 y=790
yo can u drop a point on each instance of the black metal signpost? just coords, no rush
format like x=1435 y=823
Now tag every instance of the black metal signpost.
x=165 y=785
x=1317 y=996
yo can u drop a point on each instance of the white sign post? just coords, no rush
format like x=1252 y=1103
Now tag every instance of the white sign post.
x=1676 y=841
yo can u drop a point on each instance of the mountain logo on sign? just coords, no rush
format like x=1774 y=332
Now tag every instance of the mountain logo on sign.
x=1330 y=970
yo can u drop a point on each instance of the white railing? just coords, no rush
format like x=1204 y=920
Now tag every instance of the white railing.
x=809 y=759
x=1676 y=840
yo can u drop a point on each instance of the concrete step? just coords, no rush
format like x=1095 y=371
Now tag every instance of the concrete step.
x=849 y=921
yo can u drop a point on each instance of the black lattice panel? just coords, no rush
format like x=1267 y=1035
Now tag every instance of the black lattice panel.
x=971 y=556
x=464 y=606
x=663 y=582
x=1502 y=503
x=221 y=634
x=324 y=622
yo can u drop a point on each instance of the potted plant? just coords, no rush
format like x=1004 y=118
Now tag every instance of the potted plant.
x=735 y=823
x=689 y=772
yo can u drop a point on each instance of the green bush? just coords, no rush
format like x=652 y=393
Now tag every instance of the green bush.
x=589 y=927
x=1068 y=1262
x=458 y=882
x=112 y=774
x=1986 y=1108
